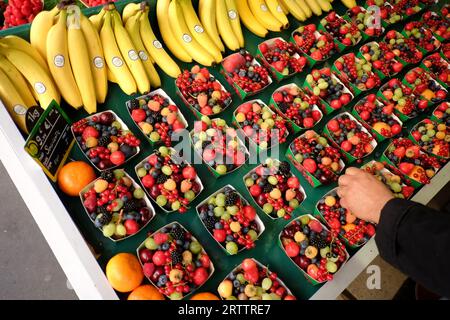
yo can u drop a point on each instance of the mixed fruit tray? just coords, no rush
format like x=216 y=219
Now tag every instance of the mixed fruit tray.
x=192 y=227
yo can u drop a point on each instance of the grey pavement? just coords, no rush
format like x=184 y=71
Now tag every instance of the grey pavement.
x=28 y=268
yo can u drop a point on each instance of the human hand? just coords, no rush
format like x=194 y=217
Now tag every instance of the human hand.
x=363 y=194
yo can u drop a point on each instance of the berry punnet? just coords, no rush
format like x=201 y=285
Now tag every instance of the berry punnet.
x=402 y=47
x=378 y=117
x=297 y=108
x=382 y=58
x=169 y=180
x=313 y=156
x=394 y=182
x=281 y=58
x=442 y=113
x=353 y=231
x=388 y=13
x=406 y=7
x=406 y=104
x=316 y=44
x=313 y=248
x=261 y=125
x=424 y=85
x=202 y=92
x=230 y=219
x=245 y=74
x=357 y=71
x=432 y=137
x=346 y=33
x=421 y=36
x=275 y=189
x=117 y=205
x=407 y=158
x=438 y=67
x=218 y=145
x=157 y=116
x=365 y=21
x=437 y=24
x=19 y=12
x=326 y=85
x=252 y=281
x=105 y=140
x=446 y=50
x=174 y=261
x=350 y=136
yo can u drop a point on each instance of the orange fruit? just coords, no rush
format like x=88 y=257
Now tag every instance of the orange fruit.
x=74 y=176
x=146 y=292
x=124 y=272
x=204 y=296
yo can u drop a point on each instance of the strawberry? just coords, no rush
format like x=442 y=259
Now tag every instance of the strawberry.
x=406 y=167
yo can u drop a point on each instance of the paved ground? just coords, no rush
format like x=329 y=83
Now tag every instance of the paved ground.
x=28 y=268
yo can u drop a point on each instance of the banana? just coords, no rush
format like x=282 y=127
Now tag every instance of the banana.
x=155 y=48
x=181 y=32
x=14 y=103
x=207 y=14
x=263 y=15
x=96 y=58
x=42 y=83
x=130 y=10
x=224 y=26
x=314 y=6
x=59 y=62
x=296 y=10
x=249 y=20
x=18 y=81
x=284 y=8
x=349 y=3
x=277 y=11
x=97 y=20
x=235 y=21
x=325 y=5
x=21 y=44
x=111 y=77
x=197 y=30
x=133 y=29
x=39 y=29
x=80 y=61
x=302 y=4
x=130 y=54
x=114 y=58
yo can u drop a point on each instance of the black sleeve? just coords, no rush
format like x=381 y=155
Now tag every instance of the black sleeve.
x=416 y=240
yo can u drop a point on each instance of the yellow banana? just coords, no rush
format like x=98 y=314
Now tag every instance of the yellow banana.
x=130 y=10
x=224 y=26
x=197 y=30
x=349 y=3
x=130 y=54
x=314 y=6
x=325 y=5
x=97 y=20
x=175 y=46
x=302 y=4
x=181 y=31
x=249 y=20
x=23 y=45
x=111 y=77
x=155 y=48
x=263 y=15
x=80 y=61
x=284 y=8
x=59 y=62
x=114 y=58
x=96 y=58
x=14 y=103
x=41 y=82
x=18 y=81
x=276 y=10
x=133 y=29
x=235 y=21
x=296 y=10
x=39 y=29
x=207 y=15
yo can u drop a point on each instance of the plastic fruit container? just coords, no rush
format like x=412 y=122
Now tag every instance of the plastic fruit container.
x=437 y=24
x=117 y=219
x=230 y=212
x=345 y=34
x=151 y=255
x=438 y=67
x=403 y=48
x=382 y=59
x=421 y=36
x=441 y=113
x=432 y=137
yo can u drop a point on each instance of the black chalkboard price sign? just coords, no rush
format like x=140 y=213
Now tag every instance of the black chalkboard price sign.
x=50 y=141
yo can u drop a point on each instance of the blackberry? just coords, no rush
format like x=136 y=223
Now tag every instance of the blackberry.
x=285 y=167
x=131 y=205
x=176 y=257
x=161 y=178
x=177 y=233
x=231 y=199
x=318 y=242
x=135 y=104
x=107 y=175
x=209 y=222
x=102 y=210
x=104 y=219
x=267 y=188
x=103 y=141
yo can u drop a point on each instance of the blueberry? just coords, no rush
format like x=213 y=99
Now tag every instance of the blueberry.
x=236 y=283
x=218 y=226
x=198 y=263
x=165 y=246
x=306 y=230
x=230 y=238
x=186 y=245
x=304 y=244
x=232 y=276
x=202 y=215
x=163 y=279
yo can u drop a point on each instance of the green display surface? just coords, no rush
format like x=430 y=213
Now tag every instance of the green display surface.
x=268 y=250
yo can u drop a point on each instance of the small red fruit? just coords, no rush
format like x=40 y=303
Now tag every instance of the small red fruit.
x=200 y=276
x=406 y=167
x=220 y=235
x=249 y=264
x=309 y=165
x=138 y=115
x=292 y=249
x=117 y=158
x=159 y=258
x=131 y=226
x=346 y=146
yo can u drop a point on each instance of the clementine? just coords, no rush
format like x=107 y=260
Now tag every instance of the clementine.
x=124 y=272
x=204 y=296
x=74 y=176
x=146 y=292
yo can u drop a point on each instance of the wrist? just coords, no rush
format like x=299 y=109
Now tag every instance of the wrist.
x=381 y=204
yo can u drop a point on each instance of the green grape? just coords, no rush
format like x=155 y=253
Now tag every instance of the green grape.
x=253 y=234
x=190 y=195
x=226 y=216
x=249 y=182
x=109 y=230
x=294 y=203
x=176 y=205
x=240 y=277
x=150 y=244
x=167 y=170
x=267 y=208
x=232 y=248
x=232 y=210
x=119 y=174
x=195 y=247
x=221 y=169
x=139 y=193
x=266 y=284
x=161 y=200
x=121 y=231
x=141 y=172
x=219 y=211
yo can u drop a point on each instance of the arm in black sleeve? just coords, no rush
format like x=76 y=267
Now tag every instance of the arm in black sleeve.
x=416 y=240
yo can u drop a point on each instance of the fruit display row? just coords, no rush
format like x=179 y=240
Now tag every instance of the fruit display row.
x=18 y=12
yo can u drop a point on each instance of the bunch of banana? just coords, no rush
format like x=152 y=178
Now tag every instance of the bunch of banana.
x=137 y=23
x=304 y=9
x=349 y=3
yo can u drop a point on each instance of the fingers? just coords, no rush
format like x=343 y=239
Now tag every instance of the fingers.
x=352 y=171
x=341 y=192
x=344 y=180
x=343 y=203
